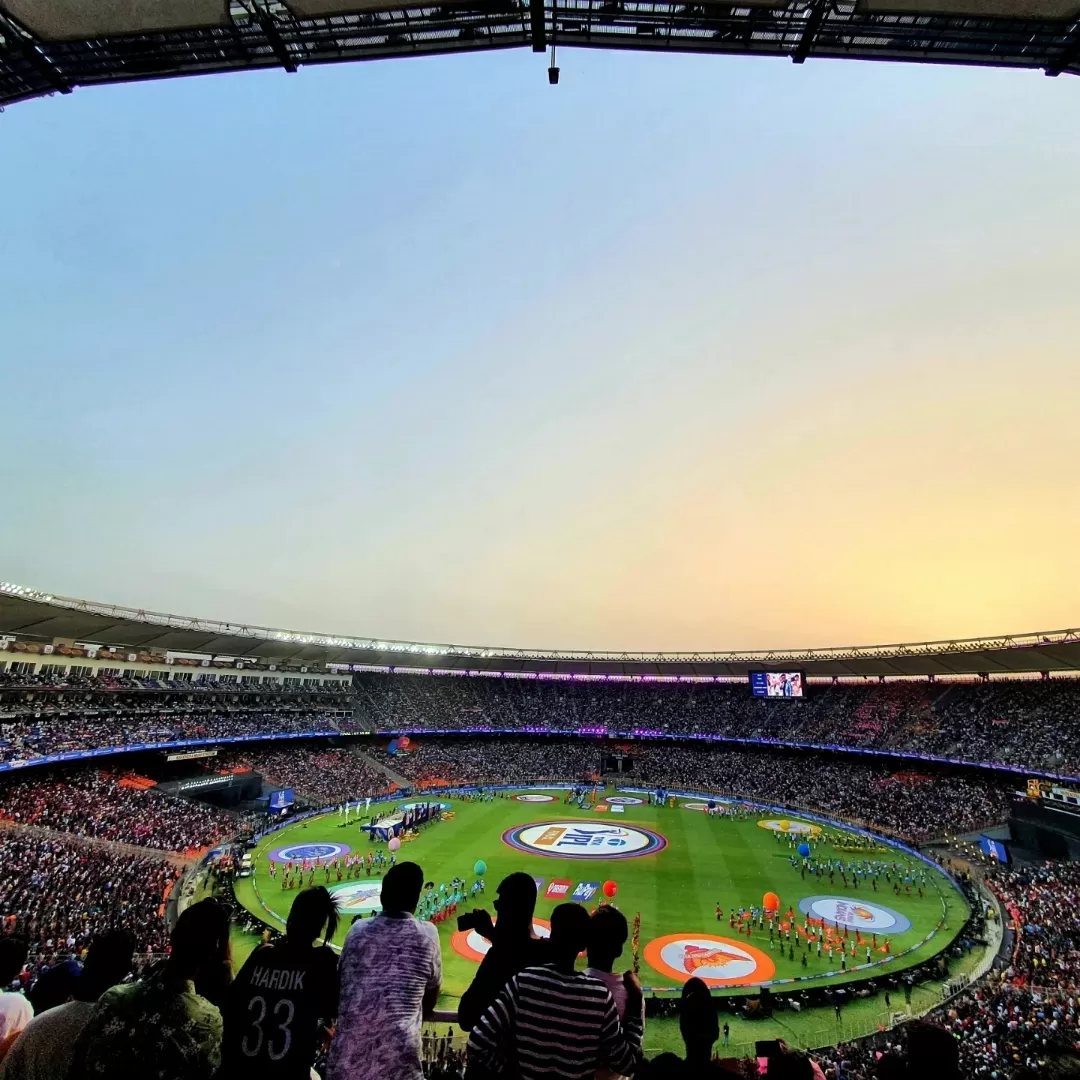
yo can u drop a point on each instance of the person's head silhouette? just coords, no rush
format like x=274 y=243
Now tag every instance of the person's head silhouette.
x=698 y=1023
x=108 y=962
x=199 y=947
x=515 y=901
x=313 y=914
x=608 y=932
x=569 y=935
x=401 y=888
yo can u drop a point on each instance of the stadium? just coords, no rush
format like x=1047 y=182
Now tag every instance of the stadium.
x=837 y=841
x=690 y=349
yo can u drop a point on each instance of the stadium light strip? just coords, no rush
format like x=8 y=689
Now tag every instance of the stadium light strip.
x=942 y=647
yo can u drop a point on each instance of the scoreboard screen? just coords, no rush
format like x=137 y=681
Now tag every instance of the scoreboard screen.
x=994 y=848
x=280 y=801
x=777 y=684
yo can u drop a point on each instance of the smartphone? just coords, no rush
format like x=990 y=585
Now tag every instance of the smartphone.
x=767 y=1048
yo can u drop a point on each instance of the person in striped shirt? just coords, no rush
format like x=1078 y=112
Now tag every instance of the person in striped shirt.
x=555 y=1023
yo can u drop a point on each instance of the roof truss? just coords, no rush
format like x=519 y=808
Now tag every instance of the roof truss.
x=44 y=45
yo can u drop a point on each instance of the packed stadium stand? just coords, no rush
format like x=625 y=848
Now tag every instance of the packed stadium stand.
x=1001 y=722
x=90 y=843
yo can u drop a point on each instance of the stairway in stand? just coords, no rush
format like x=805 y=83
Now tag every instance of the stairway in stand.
x=375 y=763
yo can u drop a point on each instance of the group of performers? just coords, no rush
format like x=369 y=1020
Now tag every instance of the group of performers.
x=583 y=796
x=855 y=872
x=830 y=942
x=342 y=868
x=438 y=903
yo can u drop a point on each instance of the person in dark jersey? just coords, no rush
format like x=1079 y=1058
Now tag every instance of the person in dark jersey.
x=283 y=996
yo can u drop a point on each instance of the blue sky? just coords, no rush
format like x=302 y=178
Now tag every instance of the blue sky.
x=684 y=352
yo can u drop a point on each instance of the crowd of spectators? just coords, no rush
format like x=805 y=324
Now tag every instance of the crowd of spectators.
x=321 y=776
x=1023 y=722
x=99 y=680
x=91 y=803
x=57 y=894
x=916 y=806
x=1027 y=1013
x=23 y=739
x=457 y=759
x=1016 y=722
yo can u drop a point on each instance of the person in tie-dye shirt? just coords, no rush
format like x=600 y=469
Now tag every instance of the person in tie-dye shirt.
x=391 y=974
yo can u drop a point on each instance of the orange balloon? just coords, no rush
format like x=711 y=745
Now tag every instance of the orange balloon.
x=770 y=902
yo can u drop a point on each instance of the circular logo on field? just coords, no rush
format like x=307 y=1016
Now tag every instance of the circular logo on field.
x=695 y=806
x=300 y=852
x=717 y=961
x=474 y=946
x=358 y=897
x=532 y=796
x=623 y=800
x=791 y=828
x=584 y=840
x=442 y=806
x=857 y=914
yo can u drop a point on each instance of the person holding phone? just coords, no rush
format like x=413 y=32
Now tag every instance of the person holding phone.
x=514 y=945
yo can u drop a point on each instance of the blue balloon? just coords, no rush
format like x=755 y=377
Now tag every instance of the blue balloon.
x=804 y=850
x=480 y=869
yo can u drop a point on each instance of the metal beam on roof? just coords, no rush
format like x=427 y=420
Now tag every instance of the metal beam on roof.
x=86 y=42
x=537 y=29
x=815 y=17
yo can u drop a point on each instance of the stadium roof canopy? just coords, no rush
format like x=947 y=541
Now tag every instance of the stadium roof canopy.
x=55 y=45
x=51 y=619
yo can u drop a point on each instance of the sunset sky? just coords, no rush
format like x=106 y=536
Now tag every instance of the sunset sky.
x=683 y=353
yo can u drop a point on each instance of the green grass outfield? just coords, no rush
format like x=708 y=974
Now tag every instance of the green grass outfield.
x=706 y=860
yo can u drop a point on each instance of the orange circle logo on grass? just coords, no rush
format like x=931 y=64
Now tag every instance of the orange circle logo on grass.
x=717 y=961
x=474 y=946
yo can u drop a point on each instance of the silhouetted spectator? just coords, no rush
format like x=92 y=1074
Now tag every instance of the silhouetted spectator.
x=932 y=1051
x=391 y=974
x=44 y=1049
x=554 y=1023
x=15 y=1011
x=608 y=933
x=514 y=946
x=160 y=1028
x=281 y=994
x=698 y=1024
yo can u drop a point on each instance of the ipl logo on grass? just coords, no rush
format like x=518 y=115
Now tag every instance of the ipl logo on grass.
x=584 y=840
x=623 y=800
x=534 y=796
x=310 y=852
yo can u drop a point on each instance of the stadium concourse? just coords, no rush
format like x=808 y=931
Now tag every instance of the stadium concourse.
x=90 y=844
